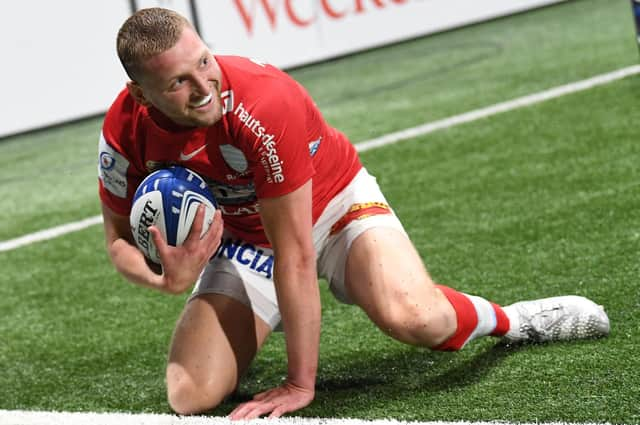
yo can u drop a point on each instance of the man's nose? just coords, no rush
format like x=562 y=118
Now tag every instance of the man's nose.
x=202 y=85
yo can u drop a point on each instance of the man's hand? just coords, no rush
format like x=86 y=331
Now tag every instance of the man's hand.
x=275 y=402
x=183 y=264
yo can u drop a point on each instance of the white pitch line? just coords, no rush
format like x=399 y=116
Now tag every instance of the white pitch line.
x=387 y=139
x=488 y=111
x=21 y=417
x=50 y=233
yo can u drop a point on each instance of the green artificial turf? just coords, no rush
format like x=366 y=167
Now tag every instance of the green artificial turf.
x=530 y=203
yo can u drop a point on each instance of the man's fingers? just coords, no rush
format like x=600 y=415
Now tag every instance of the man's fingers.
x=255 y=413
x=197 y=225
x=279 y=411
x=260 y=409
x=158 y=240
x=214 y=230
x=240 y=411
x=252 y=410
x=275 y=402
x=216 y=227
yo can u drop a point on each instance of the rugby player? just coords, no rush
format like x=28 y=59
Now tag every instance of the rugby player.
x=295 y=203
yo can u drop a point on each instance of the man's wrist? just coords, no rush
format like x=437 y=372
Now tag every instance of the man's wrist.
x=302 y=384
x=303 y=379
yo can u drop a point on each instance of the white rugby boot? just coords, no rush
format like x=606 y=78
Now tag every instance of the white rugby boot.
x=555 y=319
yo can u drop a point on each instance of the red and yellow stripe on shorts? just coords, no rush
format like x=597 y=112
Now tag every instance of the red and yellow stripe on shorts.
x=358 y=212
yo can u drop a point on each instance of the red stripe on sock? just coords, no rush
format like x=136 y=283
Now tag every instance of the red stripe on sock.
x=466 y=316
x=502 y=321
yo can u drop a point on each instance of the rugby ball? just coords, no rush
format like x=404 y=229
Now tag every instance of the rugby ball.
x=168 y=199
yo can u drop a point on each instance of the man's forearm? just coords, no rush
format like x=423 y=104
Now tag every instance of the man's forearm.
x=299 y=300
x=130 y=263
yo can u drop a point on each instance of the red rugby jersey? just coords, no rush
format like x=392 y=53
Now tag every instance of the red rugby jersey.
x=270 y=141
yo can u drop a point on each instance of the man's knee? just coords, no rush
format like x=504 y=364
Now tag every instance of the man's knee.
x=416 y=322
x=188 y=394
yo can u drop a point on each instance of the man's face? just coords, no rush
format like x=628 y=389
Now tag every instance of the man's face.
x=183 y=83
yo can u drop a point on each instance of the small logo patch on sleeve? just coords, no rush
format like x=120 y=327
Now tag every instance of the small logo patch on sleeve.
x=112 y=169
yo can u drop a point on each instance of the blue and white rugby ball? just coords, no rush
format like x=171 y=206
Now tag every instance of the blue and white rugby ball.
x=169 y=199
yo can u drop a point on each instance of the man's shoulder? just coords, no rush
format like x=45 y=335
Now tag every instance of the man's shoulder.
x=260 y=88
x=123 y=107
x=122 y=117
x=234 y=63
x=251 y=75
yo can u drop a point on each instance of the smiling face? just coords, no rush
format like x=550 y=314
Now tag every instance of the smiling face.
x=183 y=82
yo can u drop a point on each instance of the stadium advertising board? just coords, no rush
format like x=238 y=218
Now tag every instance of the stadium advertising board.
x=66 y=68
x=292 y=32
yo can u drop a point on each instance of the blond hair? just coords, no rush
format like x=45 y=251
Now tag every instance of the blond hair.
x=147 y=33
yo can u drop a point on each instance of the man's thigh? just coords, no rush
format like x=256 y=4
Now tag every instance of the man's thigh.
x=214 y=341
x=357 y=208
x=231 y=312
x=383 y=265
x=386 y=277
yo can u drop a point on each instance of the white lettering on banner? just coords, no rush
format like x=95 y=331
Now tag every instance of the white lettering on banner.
x=329 y=8
x=270 y=160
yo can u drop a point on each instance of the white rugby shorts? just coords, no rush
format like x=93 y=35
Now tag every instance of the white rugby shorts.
x=244 y=271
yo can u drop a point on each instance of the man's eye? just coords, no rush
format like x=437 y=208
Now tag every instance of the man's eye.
x=178 y=82
x=205 y=61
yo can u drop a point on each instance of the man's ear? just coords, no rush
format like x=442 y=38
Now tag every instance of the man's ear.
x=136 y=92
